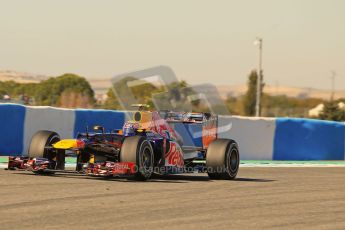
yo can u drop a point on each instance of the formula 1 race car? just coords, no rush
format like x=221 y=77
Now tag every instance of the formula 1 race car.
x=145 y=145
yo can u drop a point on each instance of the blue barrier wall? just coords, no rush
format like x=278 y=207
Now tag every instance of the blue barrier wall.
x=12 y=129
x=291 y=139
x=110 y=120
x=306 y=139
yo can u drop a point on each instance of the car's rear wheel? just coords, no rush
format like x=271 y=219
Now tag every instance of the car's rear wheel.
x=138 y=150
x=222 y=159
x=40 y=147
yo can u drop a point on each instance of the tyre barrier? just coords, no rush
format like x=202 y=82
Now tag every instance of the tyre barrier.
x=258 y=138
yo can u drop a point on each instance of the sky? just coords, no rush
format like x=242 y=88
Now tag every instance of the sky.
x=202 y=41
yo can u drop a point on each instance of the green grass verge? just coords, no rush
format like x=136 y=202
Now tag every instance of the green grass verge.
x=69 y=160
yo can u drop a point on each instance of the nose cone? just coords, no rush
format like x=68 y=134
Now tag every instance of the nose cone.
x=66 y=144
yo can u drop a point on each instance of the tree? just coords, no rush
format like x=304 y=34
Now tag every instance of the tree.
x=282 y=105
x=174 y=96
x=68 y=90
x=235 y=104
x=111 y=102
x=250 y=96
x=144 y=91
x=140 y=91
x=331 y=111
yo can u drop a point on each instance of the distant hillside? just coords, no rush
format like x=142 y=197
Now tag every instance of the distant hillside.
x=21 y=77
x=100 y=86
x=238 y=90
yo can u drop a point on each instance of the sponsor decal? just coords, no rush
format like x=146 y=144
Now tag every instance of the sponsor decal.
x=174 y=156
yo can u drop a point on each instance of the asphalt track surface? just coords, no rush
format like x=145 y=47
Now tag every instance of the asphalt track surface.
x=261 y=198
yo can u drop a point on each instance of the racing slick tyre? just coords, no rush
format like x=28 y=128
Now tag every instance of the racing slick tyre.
x=222 y=159
x=139 y=150
x=38 y=144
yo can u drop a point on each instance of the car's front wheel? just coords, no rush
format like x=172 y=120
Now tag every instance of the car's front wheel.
x=41 y=147
x=138 y=149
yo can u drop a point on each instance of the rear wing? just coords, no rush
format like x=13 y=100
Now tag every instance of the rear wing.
x=209 y=131
x=195 y=132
